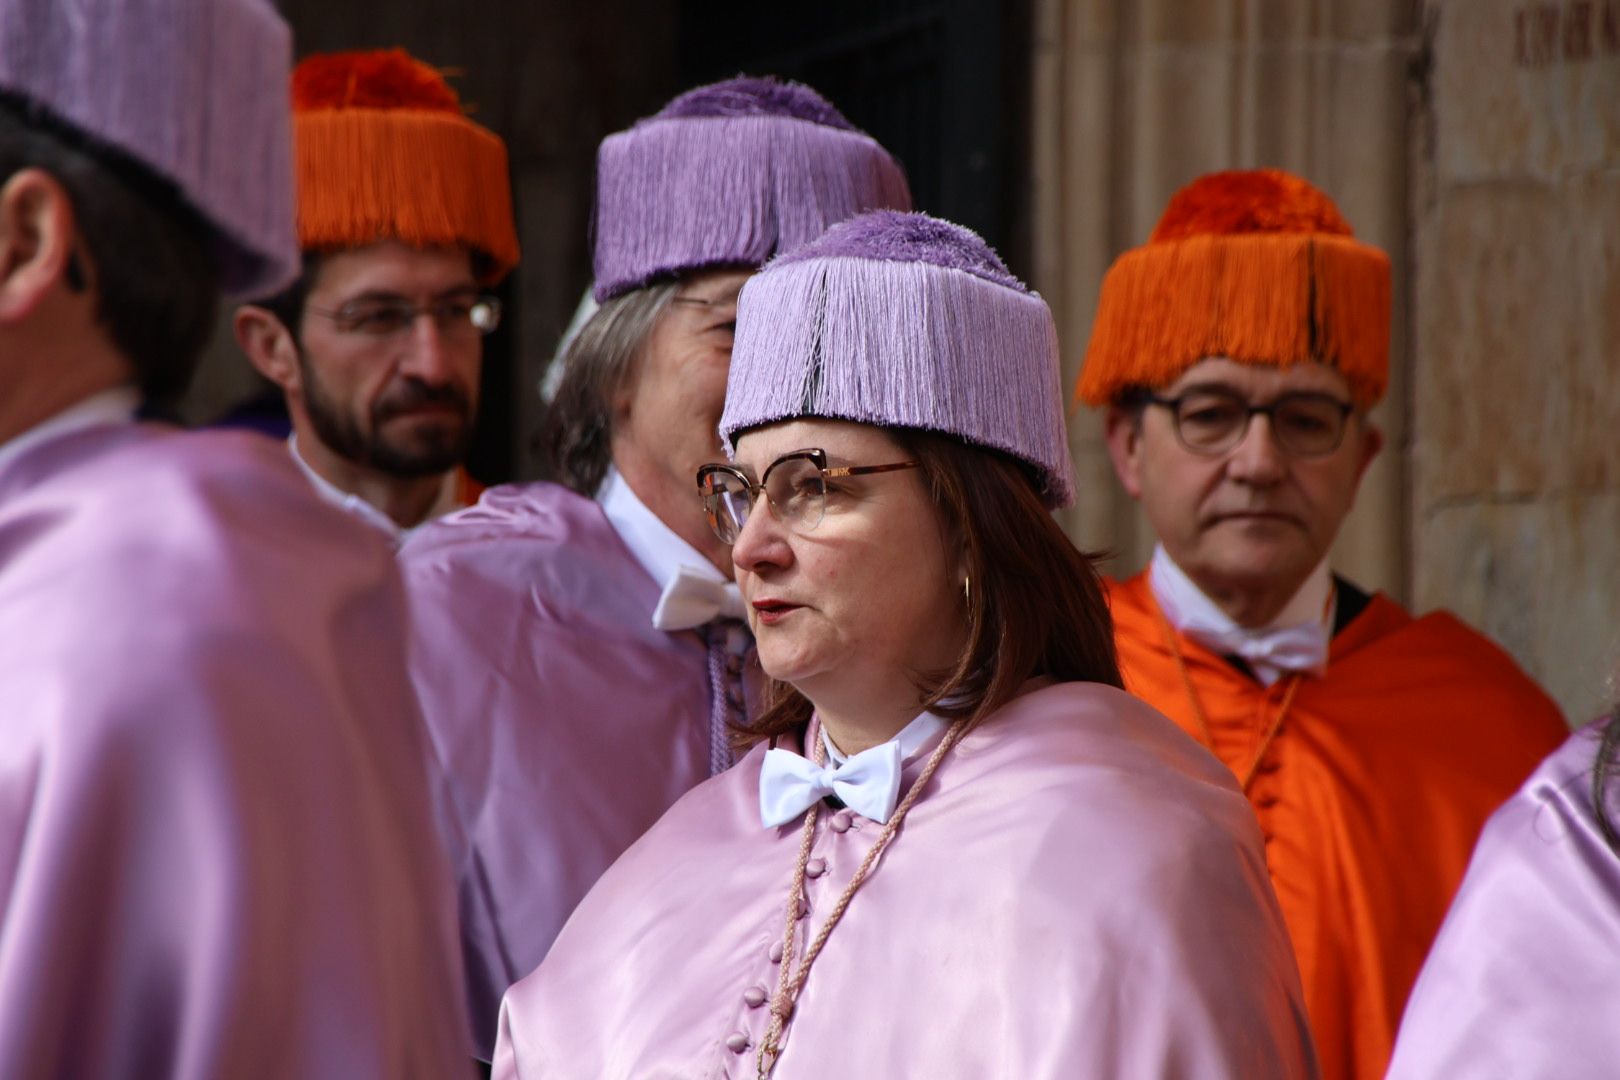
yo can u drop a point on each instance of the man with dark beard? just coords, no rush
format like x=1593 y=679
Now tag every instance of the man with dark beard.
x=404 y=215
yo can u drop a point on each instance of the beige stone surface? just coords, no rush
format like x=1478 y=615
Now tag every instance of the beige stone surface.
x=1538 y=576
x=1515 y=463
x=1518 y=331
x=1514 y=96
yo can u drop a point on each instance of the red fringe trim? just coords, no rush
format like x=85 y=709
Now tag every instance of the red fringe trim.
x=1261 y=298
x=430 y=179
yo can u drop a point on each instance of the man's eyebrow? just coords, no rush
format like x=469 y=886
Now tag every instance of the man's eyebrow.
x=1209 y=386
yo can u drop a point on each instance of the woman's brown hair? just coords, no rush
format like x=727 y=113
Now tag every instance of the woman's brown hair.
x=1035 y=603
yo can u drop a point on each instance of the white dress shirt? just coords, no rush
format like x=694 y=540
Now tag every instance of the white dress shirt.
x=1300 y=632
x=114 y=406
x=346 y=500
x=677 y=566
x=912 y=738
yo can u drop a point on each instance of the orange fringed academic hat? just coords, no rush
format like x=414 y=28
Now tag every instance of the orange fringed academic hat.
x=1255 y=266
x=383 y=150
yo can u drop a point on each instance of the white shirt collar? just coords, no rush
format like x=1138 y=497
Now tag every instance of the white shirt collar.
x=657 y=547
x=912 y=738
x=108 y=407
x=346 y=500
x=1307 y=617
x=1184 y=602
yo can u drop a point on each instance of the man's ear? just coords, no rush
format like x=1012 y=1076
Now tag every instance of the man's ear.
x=38 y=231
x=1123 y=431
x=269 y=346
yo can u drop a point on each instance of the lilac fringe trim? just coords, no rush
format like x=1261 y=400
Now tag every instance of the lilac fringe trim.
x=686 y=194
x=902 y=344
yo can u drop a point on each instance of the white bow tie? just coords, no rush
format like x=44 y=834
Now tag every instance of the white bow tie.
x=868 y=783
x=1289 y=648
x=692 y=598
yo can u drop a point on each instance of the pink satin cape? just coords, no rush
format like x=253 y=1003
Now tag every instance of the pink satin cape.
x=1081 y=893
x=216 y=855
x=565 y=723
x=1524 y=979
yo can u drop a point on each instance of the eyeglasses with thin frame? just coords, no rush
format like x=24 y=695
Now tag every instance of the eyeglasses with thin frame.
x=1213 y=421
x=380 y=318
x=794 y=484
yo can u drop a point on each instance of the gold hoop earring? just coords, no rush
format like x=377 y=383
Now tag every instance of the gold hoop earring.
x=967 y=590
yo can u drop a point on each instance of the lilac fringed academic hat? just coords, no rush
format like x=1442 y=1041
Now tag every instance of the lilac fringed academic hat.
x=903 y=320
x=193 y=90
x=728 y=175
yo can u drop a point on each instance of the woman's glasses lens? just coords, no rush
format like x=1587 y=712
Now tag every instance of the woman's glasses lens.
x=795 y=486
x=726 y=500
x=798 y=492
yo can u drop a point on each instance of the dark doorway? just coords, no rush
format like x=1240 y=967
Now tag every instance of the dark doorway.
x=942 y=84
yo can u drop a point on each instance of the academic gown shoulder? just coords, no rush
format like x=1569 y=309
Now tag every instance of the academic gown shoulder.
x=1522 y=979
x=1370 y=796
x=564 y=722
x=1081 y=892
x=216 y=851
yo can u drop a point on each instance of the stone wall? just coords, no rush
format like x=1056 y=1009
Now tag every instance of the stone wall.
x=1516 y=395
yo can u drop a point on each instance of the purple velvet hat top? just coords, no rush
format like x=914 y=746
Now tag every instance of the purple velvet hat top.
x=903 y=320
x=194 y=90
x=728 y=175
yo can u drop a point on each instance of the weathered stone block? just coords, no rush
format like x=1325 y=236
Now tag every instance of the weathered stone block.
x=1524 y=87
x=1517 y=328
x=1538 y=577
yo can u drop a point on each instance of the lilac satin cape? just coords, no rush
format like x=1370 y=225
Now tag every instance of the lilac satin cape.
x=1082 y=893
x=565 y=722
x=1524 y=979
x=216 y=849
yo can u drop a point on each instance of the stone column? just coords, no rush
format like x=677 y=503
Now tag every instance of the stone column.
x=1133 y=99
x=1516 y=461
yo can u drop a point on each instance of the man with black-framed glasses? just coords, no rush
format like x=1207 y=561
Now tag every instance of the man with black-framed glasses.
x=405 y=219
x=1239 y=352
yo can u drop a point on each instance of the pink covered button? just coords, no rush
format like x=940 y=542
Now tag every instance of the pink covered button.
x=754 y=996
x=736 y=1042
x=776 y=952
x=842 y=820
x=815 y=868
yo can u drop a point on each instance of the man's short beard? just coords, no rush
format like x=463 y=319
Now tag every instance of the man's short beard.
x=437 y=451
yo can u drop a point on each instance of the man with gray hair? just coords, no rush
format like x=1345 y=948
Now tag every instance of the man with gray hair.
x=213 y=788
x=579 y=647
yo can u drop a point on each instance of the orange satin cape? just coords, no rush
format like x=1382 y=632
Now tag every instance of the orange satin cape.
x=1370 y=796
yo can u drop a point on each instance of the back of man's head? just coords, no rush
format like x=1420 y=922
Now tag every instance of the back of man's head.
x=164 y=125
x=146 y=254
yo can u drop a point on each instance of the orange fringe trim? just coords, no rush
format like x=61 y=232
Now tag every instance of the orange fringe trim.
x=1260 y=298
x=428 y=178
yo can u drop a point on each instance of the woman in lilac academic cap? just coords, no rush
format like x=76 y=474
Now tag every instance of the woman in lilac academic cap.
x=1524 y=979
x=956 y=847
